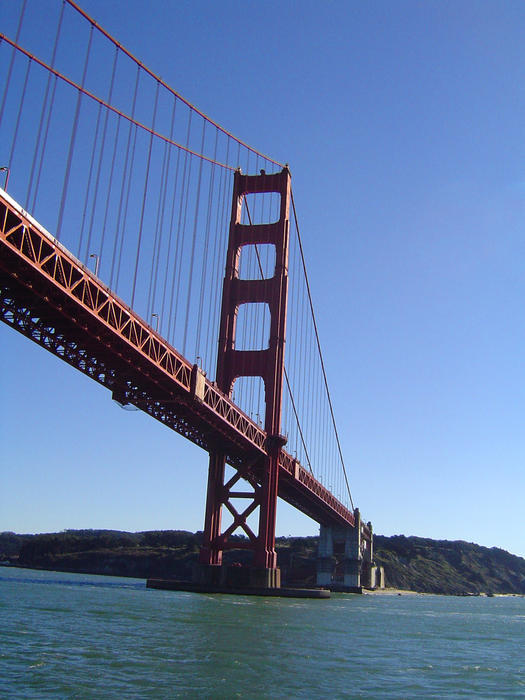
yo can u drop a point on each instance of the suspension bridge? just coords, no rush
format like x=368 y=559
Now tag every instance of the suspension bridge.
x=163 y=259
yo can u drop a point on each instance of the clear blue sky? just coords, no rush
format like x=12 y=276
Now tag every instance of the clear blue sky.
x=404 y=127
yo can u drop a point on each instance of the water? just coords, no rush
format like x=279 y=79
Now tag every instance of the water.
x=76 y=636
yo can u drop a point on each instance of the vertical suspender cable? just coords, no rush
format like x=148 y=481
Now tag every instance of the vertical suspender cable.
x=168 y=252
x=202 y=295
x=193 y=242
x=44 y=107
x=101 y=157
x=183 y=241
x=72 y=141
x=152 y=292
x=12 y=61
x=44 y=144
x=123 y=186
x=19 y=116
x=220 y=244
x=146 y=179
x=88 y=188
x=130 y=173
x=128 y=187
x=320 y=354
x=109 y=190
x=180 y=237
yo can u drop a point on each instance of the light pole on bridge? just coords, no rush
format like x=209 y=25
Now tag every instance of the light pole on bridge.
x=5 y=169
x=97 y=262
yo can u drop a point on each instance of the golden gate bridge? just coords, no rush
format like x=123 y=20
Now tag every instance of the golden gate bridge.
x=160 y=255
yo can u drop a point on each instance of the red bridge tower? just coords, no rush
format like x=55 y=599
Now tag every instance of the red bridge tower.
x=268 y=363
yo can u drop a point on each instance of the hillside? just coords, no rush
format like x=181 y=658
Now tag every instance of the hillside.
x=411 y=563
x=454 y=568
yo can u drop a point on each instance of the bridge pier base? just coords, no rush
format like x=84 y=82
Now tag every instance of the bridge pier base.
x=237 y=580
x=237 y=577
x=341 y=543
x=353 y=548
x=353 y=556
x=325 y=557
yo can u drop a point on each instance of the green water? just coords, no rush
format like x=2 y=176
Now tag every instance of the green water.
x=75 y=636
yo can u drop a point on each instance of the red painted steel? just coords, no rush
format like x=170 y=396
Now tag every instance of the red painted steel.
x=53 y=299
x=267 y=363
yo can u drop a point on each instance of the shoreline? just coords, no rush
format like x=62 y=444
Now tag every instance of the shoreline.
x=432 y=567
x=365 y=592
x=406 y=592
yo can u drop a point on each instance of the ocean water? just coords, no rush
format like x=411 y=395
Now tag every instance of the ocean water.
x=75 y=636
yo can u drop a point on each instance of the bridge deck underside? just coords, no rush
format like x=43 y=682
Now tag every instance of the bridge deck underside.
x=49 y=296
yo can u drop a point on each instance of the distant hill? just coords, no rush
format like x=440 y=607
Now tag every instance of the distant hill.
x=411 y=563
x=454 y=568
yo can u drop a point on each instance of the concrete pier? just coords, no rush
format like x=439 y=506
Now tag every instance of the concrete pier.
x=236 y=576
x=237 y=580
x=171 y=585
x=345 y=558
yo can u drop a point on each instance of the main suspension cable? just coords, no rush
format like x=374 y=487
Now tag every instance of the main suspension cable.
x=82 y=90
x=165 y=85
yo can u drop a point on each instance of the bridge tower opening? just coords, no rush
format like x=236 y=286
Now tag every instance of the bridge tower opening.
x=261 y=474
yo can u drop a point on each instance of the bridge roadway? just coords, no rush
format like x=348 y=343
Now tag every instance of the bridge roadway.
x=53 y=299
